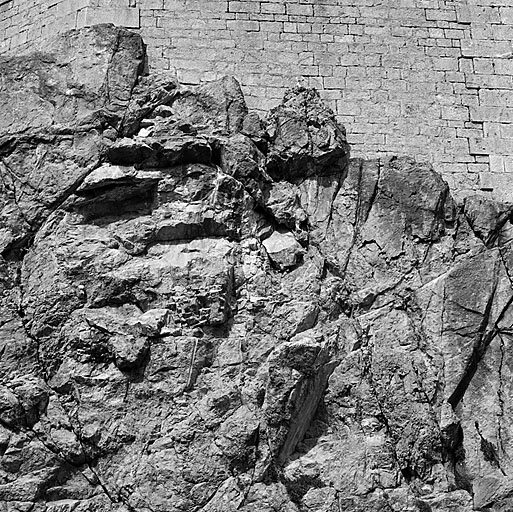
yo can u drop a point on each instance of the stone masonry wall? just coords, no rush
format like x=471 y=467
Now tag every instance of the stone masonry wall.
x=25 y=24
x=428 y=78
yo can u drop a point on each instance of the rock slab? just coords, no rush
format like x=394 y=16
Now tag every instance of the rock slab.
x=205 y=311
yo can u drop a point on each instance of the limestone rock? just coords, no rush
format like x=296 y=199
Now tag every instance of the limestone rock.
x=305 y=139
x=203 y=311
x=218 y=106
x=55 y=108
x=283 y=249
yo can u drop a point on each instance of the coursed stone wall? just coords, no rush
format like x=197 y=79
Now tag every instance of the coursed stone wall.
x=428 y=78
x=25 y=24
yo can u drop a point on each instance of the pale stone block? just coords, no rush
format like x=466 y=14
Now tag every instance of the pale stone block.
x=478 y=146
x=496 y=164
x=500 y=184
x=149 y=4
x=71 y=6
x=508 y=164
x=121 y=16
x=275 y=8
x=494 y=114
x=485 y=48
x=486 y=181
x=463 y=14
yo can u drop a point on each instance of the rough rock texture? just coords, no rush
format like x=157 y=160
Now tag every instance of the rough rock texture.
x=201 y=311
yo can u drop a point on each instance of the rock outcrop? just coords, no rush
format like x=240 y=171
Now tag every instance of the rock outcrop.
x=204 y=311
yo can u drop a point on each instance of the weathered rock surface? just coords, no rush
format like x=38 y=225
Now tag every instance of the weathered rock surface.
x=201 y=311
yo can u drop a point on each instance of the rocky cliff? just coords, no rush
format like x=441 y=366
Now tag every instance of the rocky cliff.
x=204 y=311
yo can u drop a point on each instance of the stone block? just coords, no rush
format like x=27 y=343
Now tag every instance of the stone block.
x=441 y=14
x=485 y=48
x=487 y=12
x=478 y=168
x=501 y=185
x=506 y=131
x=486 y=181
x=494 y=114
x=189 y=76
x=463 y=14
x=329 y=10
x=454 y=33
x=478 y=146
x=247 y=7
x=488 y=81
x=506 y=14
x=508 y=164
x=243 y=25
x=5 y=5
x=495 y=98
x=300 y=9
x=151 y=4
x=71 y=6
x=173 y=5
x=503 y=66
x=500 y=146
x=273 y=8
x=455 y=113
x=496 y=164
x=121 y=16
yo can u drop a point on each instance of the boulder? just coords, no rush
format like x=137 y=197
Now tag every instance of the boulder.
x=283 y=249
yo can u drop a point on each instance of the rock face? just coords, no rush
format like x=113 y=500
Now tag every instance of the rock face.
x=202 y=311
